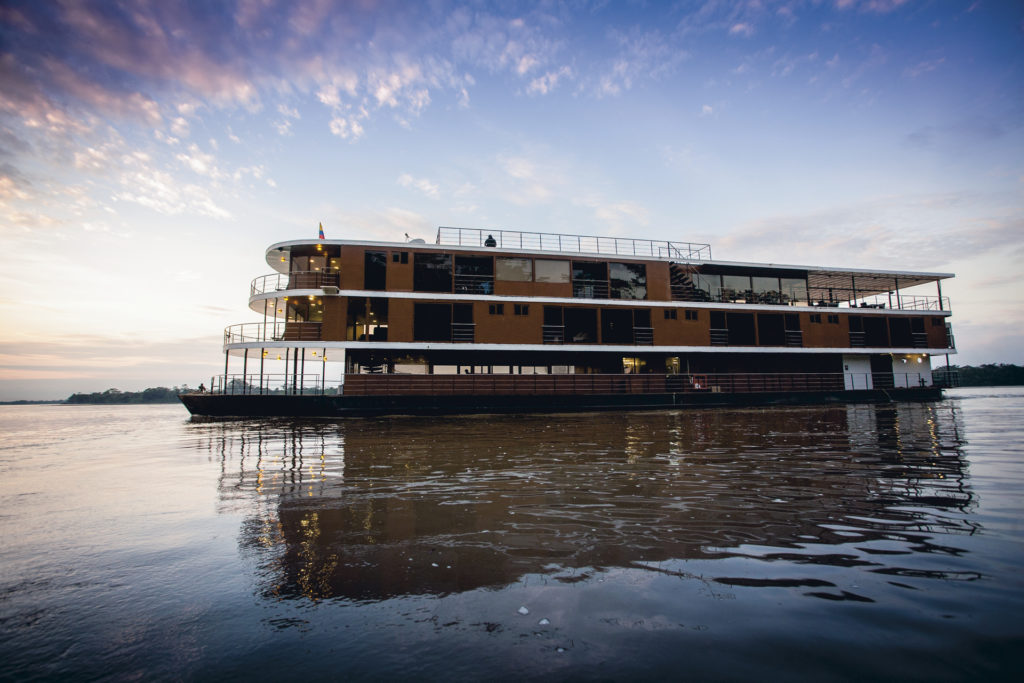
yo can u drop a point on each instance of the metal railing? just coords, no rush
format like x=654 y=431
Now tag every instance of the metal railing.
x=473 y=284
x=643 y=336
x=590 y=289
x=280 y=330
x=271 y=384
x=553 y=334
x=463 y=332
x=279 y=282
x=590 y=244
x=894 y=301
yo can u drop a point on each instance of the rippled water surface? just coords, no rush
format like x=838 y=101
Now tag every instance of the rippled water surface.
x=852 y=542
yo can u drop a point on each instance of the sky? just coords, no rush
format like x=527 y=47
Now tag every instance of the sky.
x=150 y=152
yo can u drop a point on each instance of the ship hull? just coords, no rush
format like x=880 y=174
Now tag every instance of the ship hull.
x=227 y=406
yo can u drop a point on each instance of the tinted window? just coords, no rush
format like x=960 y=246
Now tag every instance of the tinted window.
x=628 y=280
x=580 y=325
x=514 y=269
x=551 y=271
x=375 y=265
x=432 y=322
x=617 y=326
x=432 y=273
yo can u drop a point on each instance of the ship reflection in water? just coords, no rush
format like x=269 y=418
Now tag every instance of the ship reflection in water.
x=796 y=498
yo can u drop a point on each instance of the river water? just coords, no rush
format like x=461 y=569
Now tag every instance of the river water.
x=859 y=542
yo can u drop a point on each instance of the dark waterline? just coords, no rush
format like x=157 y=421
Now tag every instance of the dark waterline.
x=853 y=542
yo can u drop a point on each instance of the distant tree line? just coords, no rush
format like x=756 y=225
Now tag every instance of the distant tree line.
x=151 y=395
x=989 y=375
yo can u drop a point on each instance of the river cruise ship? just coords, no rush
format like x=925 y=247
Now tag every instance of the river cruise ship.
x=493 y=320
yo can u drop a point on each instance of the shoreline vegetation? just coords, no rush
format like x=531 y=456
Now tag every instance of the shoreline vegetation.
x=986 y=375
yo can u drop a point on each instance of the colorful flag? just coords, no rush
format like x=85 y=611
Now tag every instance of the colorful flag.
x=321 y=231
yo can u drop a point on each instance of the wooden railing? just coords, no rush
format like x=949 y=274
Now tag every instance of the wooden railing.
x=733 y=383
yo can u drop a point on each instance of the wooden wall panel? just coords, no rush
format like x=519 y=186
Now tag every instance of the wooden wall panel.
x=400 y=320
x=352 y=259
x=399 y=275
x=508 y=328
x=335 y=312
x=658 y=281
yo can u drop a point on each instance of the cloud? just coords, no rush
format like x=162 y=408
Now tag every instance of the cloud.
x=885 y=232
x=424 y=185
x=874 y=6
x=639 y=56
x=923 y=67
x=741 y=29
x=542 y=85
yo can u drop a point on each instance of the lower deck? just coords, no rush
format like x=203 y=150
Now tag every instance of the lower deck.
x=326 y=406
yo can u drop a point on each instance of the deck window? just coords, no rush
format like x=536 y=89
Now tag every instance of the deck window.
x=794 y=289
x=711 y=285
x=580 y=325
x=367 y=319
x=617 y=326
x=432 y=322
x=628 y=280
x=551 y=271
x=741 y=329
x=432 y=273
x=375 y=265
x=589 y=280
x=765 y=289
x=771 y=329
x=474 y=274
x=735 y=288
x=514 y=269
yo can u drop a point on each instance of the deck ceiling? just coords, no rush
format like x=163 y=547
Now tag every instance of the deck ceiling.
x=868 y=283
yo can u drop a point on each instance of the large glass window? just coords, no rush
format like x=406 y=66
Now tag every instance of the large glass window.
x=589 y=280
x=514 y=269
x=617 y=326
x=628 y=280
x=710 y=284
x=735 y=287
x=432 y=322
x=794 y=290
x=474 y=274
x=367 y=319
x=432 y=273
x=551 y=271
x=766 y=289
x=375 y=264
x=580 y=325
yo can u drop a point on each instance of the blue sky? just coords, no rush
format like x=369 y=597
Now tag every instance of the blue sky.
x=151 y=151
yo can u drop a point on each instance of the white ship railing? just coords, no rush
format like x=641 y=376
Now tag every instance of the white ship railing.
x=580 y=244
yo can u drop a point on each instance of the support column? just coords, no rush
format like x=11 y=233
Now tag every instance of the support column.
x=263 y=354
x=245 y=369
x=287 y=353
x=225 y=384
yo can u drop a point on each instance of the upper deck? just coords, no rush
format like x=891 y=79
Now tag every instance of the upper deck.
x=674 y=271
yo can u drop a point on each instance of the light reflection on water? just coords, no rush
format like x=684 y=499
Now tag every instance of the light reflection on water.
x=375 y=509
x=807 y=543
